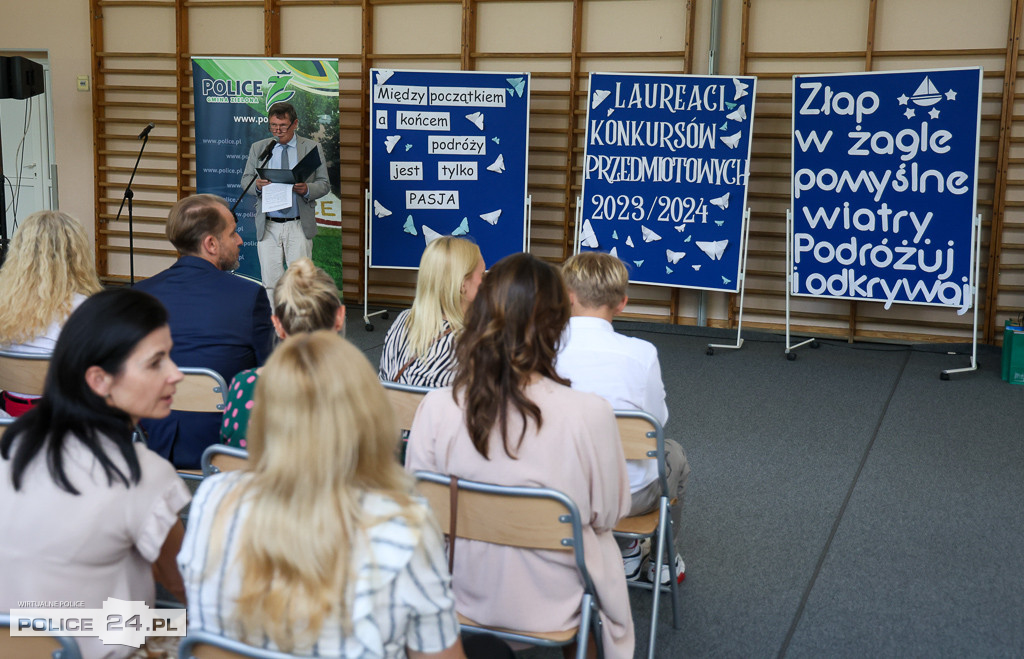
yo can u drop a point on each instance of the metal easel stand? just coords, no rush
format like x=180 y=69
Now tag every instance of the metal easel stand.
x=578 y=228
x=528 y=214
x=744 y=244
x=383 y=313
x=976 y=253
x=790 y=355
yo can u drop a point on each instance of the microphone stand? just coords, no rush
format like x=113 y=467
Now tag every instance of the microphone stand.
x=129 y=194
x=265 y=157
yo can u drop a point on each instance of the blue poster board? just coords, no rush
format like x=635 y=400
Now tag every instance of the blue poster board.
x=447 y=157
x=884 y=185
x=665 y=175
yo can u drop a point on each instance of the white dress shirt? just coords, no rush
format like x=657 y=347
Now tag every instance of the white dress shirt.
x=621 y=369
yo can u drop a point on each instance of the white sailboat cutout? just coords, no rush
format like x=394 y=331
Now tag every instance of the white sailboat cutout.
x=739 y=114
x=599 y=96
x=733 y=140
x=379 y=210
x=673 y=257
x=477 y=118
x=587 y=236
x=649 y=236
x=722 y=202
x=390 y=141
x=926 y=94
x=429 y=235
x=383 y=75
x=741 y=89
x=498 y=166
x=492 y=217
x=629 y=241
x=713 y=248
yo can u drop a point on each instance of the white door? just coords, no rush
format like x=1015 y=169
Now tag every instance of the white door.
x=26 y=128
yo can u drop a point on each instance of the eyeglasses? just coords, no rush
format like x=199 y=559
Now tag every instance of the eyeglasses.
x=280 y=128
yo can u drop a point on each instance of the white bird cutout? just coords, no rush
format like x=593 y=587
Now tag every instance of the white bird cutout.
x=741 y=89
x=739 y=114
x=599 y=96
x=713 y=248
x=587 y=236
x=379 y=209
x=649 y=236
x=498 y=166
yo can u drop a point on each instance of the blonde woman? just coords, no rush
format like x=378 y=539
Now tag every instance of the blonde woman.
x=318 y=548
x=305 y=300
x=47 y=274
x=419 y=348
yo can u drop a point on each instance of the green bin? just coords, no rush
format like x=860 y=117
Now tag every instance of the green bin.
x=1013 y=353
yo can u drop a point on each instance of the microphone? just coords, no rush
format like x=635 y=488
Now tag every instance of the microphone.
x=145 y=131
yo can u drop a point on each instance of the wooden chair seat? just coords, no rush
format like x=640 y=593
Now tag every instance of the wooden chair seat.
x=560 y=638
x=645 y=524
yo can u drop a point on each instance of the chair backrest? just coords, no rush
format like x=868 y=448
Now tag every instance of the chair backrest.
x=24 y=374
x=58 y=647
x=405 y=399
x=643 y=438
x=204 y=645
x=202 y=390
x=527 y=517
x=218 y=458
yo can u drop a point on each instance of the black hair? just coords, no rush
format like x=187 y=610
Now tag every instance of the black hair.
x=102 y=332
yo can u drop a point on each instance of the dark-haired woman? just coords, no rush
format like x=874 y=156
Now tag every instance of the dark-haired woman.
x=85 y=512
x=509 y=419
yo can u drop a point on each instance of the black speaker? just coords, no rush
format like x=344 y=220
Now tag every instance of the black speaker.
x=20 y=77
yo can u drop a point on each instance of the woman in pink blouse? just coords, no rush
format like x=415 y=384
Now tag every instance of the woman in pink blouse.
x=510 y=420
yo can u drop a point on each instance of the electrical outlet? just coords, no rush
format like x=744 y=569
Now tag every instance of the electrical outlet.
x=83 y=83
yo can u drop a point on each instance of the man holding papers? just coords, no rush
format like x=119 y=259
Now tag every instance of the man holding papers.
x=290 y=176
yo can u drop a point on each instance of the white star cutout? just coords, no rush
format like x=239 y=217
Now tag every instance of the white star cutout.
x=903 y=99
x=909 y=114
x=951 y=95
x=933 y=113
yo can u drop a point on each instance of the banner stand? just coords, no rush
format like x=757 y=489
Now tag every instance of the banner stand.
x=790 y=355
x=383 y=313
x=744 y=239
x=976 y=254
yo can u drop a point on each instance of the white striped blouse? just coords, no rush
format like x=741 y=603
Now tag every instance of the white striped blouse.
x=435 y=368
x=402 y=594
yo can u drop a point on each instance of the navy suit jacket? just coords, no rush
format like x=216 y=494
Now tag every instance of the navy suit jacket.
x=218 y=320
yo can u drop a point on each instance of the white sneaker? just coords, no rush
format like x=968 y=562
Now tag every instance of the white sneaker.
x=680 y=571
x=633 y=558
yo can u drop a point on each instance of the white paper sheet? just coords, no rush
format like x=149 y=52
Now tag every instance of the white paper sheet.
x=276 y=196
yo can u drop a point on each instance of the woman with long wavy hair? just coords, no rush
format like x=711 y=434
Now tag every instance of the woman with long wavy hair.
x=319 y=546
x=419 y=348
x=47 y=274
x=511 y=420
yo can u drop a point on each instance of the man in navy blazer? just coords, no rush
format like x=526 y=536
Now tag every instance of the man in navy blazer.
x=218 y=320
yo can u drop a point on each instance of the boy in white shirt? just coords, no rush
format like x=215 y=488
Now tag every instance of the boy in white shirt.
x=625 y=371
